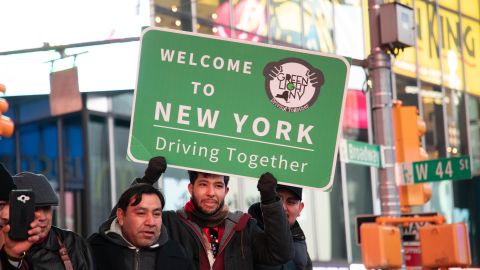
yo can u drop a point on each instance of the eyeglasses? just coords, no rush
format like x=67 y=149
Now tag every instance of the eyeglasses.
x=214 y=242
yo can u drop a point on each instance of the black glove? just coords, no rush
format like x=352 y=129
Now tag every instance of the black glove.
x=156 y=166
x=267 y=185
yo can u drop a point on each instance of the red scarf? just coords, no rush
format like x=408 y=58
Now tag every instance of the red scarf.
x=193 y=215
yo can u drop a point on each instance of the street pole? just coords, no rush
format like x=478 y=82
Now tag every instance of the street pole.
x=379 y=65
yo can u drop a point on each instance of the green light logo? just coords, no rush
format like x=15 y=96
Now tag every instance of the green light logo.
x=292 y=84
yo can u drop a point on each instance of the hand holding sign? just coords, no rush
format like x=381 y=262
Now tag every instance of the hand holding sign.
x=267 y=185
x=156 y=167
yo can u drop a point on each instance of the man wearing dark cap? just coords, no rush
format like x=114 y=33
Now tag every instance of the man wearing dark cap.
x=11 y=250
x=291 y=198
x=58 y=249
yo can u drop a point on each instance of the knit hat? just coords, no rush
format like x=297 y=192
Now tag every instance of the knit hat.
x=295 y=190
x=6 y=183
x=44 y=193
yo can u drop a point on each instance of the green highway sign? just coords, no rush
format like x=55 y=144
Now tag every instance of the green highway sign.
x=455 y=168
x=237 y=108
x=360 y=153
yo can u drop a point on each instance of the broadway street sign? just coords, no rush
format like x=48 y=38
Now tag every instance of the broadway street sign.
x=360 y=153
x=455 y=168
x=237 y=108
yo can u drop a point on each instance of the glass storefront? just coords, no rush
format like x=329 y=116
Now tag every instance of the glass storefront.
x=440 y=76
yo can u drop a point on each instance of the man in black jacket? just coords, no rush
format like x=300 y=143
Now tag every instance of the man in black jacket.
x=135 y=238
x=215 y=238
x=292 y=204
x=57 y=249
x=12 y=251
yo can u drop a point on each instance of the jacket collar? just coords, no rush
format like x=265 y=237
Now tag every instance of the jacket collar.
x=297 y=232
x=233 y=219
x=50 y=242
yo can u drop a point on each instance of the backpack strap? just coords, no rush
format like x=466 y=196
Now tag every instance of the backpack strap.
x=64 y=255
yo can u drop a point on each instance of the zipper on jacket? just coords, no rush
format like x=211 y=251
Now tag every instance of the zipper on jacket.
x=137 y=255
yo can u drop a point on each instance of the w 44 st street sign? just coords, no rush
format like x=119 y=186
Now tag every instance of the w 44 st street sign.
x=455 y=168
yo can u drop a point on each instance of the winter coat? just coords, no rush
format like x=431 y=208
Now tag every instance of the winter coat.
x=243 y=243
x=112 y=251
x=46 y=256
x=301 y=261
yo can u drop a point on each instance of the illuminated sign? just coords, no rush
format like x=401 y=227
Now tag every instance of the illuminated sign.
x=453 y=36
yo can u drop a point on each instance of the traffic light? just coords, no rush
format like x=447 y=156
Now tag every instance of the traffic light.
x=381 y=246
x=6 y=124
x=414 y=195
x=446 y=245
x=408 y=130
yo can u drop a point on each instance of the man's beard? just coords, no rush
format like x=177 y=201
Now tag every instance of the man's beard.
x=199 y=208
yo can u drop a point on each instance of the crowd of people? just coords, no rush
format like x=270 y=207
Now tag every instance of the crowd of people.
x=202 y=235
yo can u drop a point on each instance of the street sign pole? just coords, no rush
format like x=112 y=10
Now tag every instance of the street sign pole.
x=380 y=72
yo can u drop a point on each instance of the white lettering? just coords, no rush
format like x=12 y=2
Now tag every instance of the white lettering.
x=195 y=87
x=303 y=133
x=191 y=62
x=284 y=128
x=159 y=109
x=240 y=122
x=167 y=55
x=202 y=61
x=247 y=66
x=422 y=170
x=181 y=57
x=233 y=65
x=163 y=143
x=182 y=114
x=202 y=118
x=266 y=127
x=216 y=63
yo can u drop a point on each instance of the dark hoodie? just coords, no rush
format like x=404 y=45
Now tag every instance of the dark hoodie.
x=111 y=251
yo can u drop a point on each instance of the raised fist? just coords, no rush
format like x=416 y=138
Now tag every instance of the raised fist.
x=156 y=166
x=267 y=185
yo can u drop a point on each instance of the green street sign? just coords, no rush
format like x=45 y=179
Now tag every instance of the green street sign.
x=360 y=153
x=455 y=168
x=237 y=108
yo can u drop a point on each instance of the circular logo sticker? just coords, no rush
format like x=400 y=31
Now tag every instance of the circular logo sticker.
x=292 y=84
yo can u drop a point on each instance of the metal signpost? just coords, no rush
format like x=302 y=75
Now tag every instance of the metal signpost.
x=238 y=108
x=455 y=168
